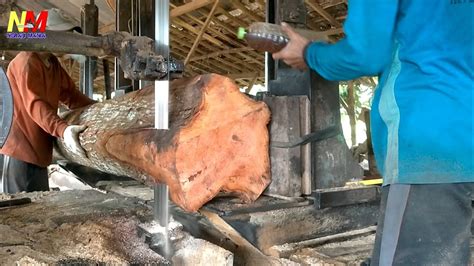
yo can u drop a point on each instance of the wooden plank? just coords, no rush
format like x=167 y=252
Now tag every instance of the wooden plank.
x=34 y=5
x=231 y=61
x=186 y=8
x=204 y=68
x=69 y=8
x=330 y=3
x=201 y=33
x=106 y=14
x=316 y=7
x=246 y=75
x=251 y=83
x=107 y=28
x=336 y=197
x=253 y=256
x=222 y=52
x=333 y=31
x=236 y=20
x=306 y=171
x=247 y=12
x=190 y=28
x=223 y=64
x=287 y=163
x=253 y=55
x=287 y=249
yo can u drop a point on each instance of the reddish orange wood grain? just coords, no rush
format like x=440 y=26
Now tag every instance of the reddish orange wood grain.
x=218 y=141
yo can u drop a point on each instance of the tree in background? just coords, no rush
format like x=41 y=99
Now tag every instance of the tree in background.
x=355 y=95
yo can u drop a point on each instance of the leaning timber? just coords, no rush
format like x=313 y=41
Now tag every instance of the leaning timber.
x=217 y=140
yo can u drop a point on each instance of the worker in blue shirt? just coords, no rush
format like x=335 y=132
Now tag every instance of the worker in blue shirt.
x=422 y=118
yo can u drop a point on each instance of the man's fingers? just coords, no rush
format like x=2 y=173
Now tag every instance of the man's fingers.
x=82 y=152
x=291 y=61
x=71 y=139
x=281 y=54
x=298 y=64
x=79 y=129
x=78 y=149
x=277 y=56
x=289 y=30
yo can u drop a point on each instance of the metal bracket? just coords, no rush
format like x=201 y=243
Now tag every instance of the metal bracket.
x=138 y=52
x=139 y=61
x=335 y=197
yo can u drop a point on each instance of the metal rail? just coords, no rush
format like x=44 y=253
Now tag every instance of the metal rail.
x=136 y=53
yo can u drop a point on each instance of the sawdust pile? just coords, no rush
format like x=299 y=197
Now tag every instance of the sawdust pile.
x=5 y=196
x=86 y=227
x=32 y=195
x=110 y=240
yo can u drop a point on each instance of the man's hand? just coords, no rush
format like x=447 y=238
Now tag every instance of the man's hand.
x=292 y=54
x=71 y=139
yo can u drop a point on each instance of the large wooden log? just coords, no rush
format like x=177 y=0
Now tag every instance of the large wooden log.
x=217 y=140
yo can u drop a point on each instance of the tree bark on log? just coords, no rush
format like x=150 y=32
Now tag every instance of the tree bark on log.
x=217 y=140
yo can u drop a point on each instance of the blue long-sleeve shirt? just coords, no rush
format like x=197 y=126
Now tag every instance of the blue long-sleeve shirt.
x=422 y=112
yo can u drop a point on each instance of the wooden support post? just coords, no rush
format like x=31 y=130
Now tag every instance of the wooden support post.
x=351 y=111
x=251 y=83
x=201 y=33
x=373 y=171
x=107 y=82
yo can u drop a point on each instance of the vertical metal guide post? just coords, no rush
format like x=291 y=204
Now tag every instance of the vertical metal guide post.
x=161 y=193
x=90 y=26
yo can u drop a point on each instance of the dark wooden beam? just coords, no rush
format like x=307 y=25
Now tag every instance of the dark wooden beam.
x=191 y=6
x=321 y=11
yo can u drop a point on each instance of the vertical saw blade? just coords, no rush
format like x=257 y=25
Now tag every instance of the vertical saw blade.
x=161 y=208
x=162 y=48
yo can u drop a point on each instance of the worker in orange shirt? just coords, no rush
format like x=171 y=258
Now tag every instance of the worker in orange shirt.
x=38 y=84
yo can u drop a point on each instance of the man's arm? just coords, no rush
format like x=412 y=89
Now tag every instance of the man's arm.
x=367 y=46
x=33 y=95
x=365 y=50
x=71 y=96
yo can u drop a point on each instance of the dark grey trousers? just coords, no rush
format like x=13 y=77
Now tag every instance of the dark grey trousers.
x=424 y=225
x=20 y=176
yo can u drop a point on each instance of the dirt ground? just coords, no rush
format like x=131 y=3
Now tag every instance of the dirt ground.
x=93 y=228
x=56 y=229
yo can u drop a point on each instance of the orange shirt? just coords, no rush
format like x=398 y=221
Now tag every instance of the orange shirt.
x=37 y=91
